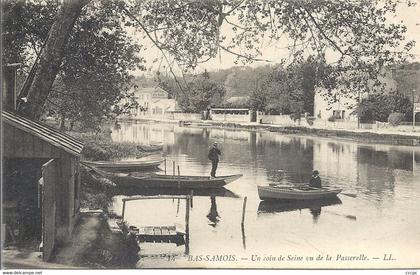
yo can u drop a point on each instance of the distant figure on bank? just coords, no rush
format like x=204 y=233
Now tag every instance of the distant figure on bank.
x=315 y=180
x=214 y=153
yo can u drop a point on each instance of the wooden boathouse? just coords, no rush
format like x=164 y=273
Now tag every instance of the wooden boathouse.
x=41 y=183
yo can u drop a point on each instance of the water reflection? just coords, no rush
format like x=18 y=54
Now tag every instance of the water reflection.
x=213 y=215
x=384 y=177
x=210 y=192
x=314 y=206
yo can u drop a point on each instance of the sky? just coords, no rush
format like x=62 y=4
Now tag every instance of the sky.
x=275 y=51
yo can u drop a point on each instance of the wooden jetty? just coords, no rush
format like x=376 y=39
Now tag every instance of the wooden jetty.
x=159 y=234
x=162 y=234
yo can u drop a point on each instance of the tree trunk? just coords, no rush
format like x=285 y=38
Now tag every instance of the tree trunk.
x=51 y=57
x=62 y=125
x=71 y=125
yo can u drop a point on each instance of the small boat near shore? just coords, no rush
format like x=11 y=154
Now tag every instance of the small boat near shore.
x=152 y=180
x=279 y=192
x=205 y=192
x=150 y=148
x=125 y=165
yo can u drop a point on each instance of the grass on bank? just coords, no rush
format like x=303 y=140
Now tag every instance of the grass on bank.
x=97 y=192
x=101 y=147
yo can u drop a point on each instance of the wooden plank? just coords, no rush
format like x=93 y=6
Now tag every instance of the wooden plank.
x=165 y=230
x=28 y=145
x=49 y=208
x=8 y=140
x=148 y=230
x=56 y=152
x=155 y=197
x=46 y=149
x=38 y=147
x=18 y=143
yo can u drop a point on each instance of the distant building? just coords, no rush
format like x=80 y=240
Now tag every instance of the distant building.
x=152 y=101
x=344 y=107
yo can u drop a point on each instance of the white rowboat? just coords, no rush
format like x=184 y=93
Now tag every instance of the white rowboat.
x=296 y=192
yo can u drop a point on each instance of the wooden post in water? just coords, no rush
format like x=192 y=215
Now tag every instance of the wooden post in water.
x=165 y=165
x=173 y=168
x=123 y=210
x=192 y=196
x=179 y=178
x=177 y=207
x=243 y=223
x=187 y=225
x=243 y=211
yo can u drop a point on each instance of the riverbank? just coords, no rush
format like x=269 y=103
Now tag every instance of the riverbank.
x=382 y=136
x=95 y=242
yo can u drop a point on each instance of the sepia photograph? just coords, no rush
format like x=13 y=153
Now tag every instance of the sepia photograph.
x=210 y=134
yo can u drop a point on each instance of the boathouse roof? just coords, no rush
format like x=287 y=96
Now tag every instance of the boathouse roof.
x=44 y=132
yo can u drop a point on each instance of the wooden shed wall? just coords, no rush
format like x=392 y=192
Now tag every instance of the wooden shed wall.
x=20 y=144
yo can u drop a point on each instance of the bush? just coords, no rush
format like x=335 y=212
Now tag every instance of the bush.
x=395 y=118
x=101 y=147
x=331 y=119
x=295 y=116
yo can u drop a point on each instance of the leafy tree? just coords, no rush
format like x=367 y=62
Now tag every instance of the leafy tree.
x=378 y=107
x=201 y=92
x=94 y=71
x=191 y=33
x=407 y=78
x=289 y=90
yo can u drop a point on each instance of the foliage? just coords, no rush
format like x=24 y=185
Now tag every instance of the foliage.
x=378 y=107
x=407 y=78
x=95 y=71
x=192 y=32
x=101 y=147
x=331 y=119
x=395 y=119
x=198 y=92
x=289 y=90
x=97 y=192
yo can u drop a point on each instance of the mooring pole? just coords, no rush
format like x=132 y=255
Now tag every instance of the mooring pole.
x=192 y=196
x=187 y=226
x=173 y=168
x=243 y=211
x=179 y=178
x=165 y=165
x=123 y=210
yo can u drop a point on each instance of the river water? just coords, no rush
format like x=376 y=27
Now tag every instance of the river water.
x=375 y=223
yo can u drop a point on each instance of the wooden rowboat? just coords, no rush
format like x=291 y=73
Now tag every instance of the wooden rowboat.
x=153 y=180
x=150 y=148
x=205 y=192
x=296 y=192
x=125 y=166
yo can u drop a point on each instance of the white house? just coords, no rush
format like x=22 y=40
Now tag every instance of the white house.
x=152 y=101
x=344 y=106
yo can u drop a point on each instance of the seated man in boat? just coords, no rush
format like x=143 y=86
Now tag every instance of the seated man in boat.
x=315 y=180
x=214 y=157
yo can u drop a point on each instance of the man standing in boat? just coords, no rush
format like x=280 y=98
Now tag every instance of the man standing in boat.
x=214 y=157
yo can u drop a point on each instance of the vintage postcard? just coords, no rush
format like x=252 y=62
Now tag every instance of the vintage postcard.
x=236 y=134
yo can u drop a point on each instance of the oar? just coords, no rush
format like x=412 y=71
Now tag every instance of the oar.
x=350 y=217
x=351 y=195
x=348 y=195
